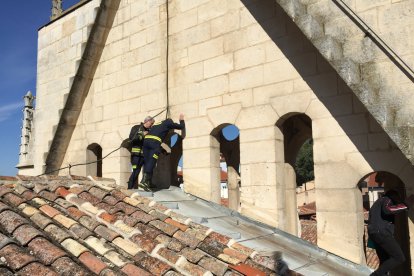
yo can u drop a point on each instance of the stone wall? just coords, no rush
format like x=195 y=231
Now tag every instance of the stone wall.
x=230 y=62
x=60 y=48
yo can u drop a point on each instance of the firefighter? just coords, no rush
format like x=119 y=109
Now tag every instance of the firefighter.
x=136 y=137
x=152 y=147
x=381 y=231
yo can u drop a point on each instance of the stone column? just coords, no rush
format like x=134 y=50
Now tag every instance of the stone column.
x=233 y=180
x=56 y=9
x=24 y=154
x=201 y=166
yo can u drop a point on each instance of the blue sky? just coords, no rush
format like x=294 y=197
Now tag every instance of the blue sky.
x=18 y=53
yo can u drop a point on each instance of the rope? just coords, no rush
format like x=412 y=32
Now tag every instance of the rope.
x=167 y=114
x=92 y=162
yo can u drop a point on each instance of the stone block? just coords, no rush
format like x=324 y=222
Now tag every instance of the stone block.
x=188 y=74
x=185 y=5
x=183 y=21
x=235 y=40
x=204 y=105
x=197 y=142
x=337 y=237
x=334 y=149
x=199 y=126
x=245 y=97
x=259 y=152
x=138 y=40
x=215 y=8
x=263 y=94
x=206 y=50
x=208 y=88
x=202 y=157
x=332 y=200
x=257 y=116
x=255 y=34
x=203 y=182
x=226 y=114
x=152 y=67
x=258 y=134
x=194 y=35
x=250 y=56
x=226 y=23
x=326 y=175
x=297 y=102
x=278 y=71
x=218 y=66
x=246 y=78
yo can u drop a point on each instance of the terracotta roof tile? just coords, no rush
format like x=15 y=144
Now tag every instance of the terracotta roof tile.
x=142 y=216
x=37 y=269
x=57 y=233
x=48 y=195
x=98 y=192
x=92 y=262
x=87 y=230
x=216 y=267
x=5 y=190
x=110 y=200
x=118 y=195
x=66 y=267
x=89 y=223
x=192 y=255
x=49 y=211
x=5 y=272
x=187 y=239
x=80 y=231
x=89 y=197
x=175 y=245
x=41 y=220
x=106 y=233
x=63 y=203
x=126 y=208
x=9 y=220
x=247 y=270
x=132 y=270
x=192 y=268
x=25 y=233
x=175 y=223
x=75 y=213
x=15 y=256
x=45 y=251
x=169 y=255
x=146 y=243
x=74 y=247
x=13 y=199
x=212 y=247
x=153 y=265
x=148 y=231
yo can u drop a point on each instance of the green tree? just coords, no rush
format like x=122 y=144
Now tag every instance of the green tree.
x=304 y=163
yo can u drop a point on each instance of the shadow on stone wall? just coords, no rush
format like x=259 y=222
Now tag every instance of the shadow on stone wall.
x=327 y=85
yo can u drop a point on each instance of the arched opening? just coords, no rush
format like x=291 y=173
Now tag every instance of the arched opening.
x=125 y=163
x=94 y=154
x=299 y=183
x=227 y=135
x=372 y=187
x=166 y=171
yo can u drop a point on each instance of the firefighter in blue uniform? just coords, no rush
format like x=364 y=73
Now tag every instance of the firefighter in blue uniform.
x=152 y=147
x=136 y=137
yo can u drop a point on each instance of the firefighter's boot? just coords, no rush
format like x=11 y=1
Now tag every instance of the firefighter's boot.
x=145 y=182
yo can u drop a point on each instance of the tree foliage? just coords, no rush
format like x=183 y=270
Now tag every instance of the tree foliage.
x=304 y=163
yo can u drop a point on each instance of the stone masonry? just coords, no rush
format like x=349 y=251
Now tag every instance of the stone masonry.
x=250 y=63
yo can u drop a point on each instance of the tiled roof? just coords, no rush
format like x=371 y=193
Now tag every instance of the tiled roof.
x=76 y=226
x=309 y=231
x=308 y=209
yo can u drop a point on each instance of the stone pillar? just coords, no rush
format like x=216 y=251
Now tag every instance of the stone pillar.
x=56 y=9
x=291 y=225
x=233 y=180
x=201 y=166
x=25 y=156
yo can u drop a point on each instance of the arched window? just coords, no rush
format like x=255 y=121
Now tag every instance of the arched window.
x=94 y=154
